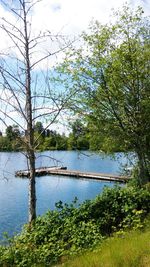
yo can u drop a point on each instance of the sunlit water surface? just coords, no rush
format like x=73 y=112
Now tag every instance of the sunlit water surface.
x=50 y=189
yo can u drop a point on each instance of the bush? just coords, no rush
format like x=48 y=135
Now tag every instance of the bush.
x=116 y=205
x=70 y=229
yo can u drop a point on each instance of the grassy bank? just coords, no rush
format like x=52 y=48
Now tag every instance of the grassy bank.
x=130 y=250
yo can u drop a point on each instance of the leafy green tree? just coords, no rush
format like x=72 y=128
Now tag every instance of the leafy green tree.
x=39 y=128
x=61 y=142
x=13 y=138
x=83 y=142
x=47 y=144
x=12 y=132
x=111 y=69
x=5 y=145
x=71 y=142
x=78 y=138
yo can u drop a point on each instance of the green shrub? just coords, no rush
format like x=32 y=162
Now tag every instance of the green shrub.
x=71 y=229
x=115 y=205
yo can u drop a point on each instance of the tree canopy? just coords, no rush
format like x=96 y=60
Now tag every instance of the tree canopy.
x=110 y=72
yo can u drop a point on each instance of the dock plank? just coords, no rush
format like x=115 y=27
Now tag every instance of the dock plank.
x=62 y=171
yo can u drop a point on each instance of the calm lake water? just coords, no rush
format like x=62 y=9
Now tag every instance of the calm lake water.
x=50 y=189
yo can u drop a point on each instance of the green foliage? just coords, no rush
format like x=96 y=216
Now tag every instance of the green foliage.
x=116 y=205
x=71 y=229
x=38 y=127
x=5 y=144
x=54 y=141
x=52 y=236
x=12 y=132
x=46 y=139
x=129 y=250
x=12 y=140
x=109 y=77
x=51 y=140
x=78 y=138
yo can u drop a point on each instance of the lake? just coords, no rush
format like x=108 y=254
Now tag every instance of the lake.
x=50 y=189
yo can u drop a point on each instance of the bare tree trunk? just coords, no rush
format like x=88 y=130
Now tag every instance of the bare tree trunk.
x=32 y=188
x=20 y=91
x=30 y=131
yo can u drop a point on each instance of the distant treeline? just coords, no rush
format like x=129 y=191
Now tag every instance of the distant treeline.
x=14 y=139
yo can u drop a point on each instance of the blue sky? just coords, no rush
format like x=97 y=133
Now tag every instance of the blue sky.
x=68 y=17
x=73 y=16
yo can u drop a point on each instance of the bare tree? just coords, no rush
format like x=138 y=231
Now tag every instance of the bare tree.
x=25 y=93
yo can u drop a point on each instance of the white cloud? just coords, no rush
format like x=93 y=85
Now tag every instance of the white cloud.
x=72 y=17
x=8 y=110
x=4 y=38
x=69 y=17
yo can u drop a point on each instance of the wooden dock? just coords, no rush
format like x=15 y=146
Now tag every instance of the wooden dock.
x=62 y=171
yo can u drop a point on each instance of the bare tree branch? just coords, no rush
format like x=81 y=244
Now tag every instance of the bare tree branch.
x=20 y=90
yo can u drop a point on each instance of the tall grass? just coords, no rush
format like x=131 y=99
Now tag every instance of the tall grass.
x=131 y=250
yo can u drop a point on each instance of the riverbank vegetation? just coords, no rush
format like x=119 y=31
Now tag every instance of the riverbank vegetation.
x=78 y=138
x=129 y=250
x=73 y=229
